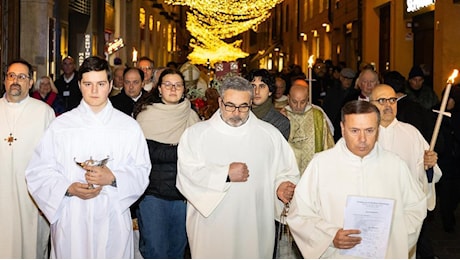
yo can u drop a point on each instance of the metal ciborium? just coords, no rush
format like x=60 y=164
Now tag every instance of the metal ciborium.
x=92 y=162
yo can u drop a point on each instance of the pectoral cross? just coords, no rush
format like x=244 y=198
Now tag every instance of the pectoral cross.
x=10 y=139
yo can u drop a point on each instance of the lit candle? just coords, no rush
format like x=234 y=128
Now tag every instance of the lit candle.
x=442 y=109
x=310 y=66
x=134 y=56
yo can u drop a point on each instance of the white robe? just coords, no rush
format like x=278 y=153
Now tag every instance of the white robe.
x=406 y=141
x=100 y=227
x=19 y=220
x=317 y=209
x=233 y=219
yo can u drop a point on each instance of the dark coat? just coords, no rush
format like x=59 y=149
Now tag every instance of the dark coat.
x=124 y=103
x=69 y=92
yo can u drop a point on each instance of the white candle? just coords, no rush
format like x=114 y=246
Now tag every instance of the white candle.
x=134 y=55
x=442 y=109
x=310 y=65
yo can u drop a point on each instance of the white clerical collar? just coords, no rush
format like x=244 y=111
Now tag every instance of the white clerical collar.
x=137 y=98
x=69 y=79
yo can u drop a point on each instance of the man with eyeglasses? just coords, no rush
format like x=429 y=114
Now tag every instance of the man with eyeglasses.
x=146 y=65
x=233 y=169
x=407 y=142
x=67 y=84
x=23 y=120
x=133 y=81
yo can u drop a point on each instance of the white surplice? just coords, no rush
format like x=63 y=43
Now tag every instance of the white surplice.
x=100 y=227
x=232 y=219
x=317 y=209
x=19 y=220
x=406 y=141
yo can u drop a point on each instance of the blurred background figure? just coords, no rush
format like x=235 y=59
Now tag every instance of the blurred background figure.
x=46 y=91
x=67 y=84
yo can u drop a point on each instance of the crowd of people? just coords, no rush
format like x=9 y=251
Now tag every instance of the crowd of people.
x=118 y=162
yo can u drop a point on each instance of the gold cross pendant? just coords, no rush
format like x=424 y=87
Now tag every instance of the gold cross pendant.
x=10 y=139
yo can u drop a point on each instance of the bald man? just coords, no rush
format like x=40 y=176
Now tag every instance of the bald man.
x=310 y=132
x=407 y=142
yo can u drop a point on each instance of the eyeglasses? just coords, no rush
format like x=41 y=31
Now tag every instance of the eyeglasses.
x=232 y=107
x=370 y=82
x=382 y=101
x=20 y=77
x=169 y=85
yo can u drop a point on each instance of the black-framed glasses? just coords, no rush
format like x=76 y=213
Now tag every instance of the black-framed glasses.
x=382 y=101
x=232 y=107
x=10 y=76
x=169 y=85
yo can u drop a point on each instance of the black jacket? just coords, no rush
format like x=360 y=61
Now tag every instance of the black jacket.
x=164 y=171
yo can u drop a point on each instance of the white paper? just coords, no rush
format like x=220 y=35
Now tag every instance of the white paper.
x=372 y=216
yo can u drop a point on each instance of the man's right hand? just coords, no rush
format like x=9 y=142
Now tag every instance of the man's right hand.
x=343 y=240
x=238 y=172
x=83 y=191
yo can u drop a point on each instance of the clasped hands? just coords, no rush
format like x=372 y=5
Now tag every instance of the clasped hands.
x=95 y=175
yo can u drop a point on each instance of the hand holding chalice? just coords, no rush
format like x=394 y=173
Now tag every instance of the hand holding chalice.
x=91 y=162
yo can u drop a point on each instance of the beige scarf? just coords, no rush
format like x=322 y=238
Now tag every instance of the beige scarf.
x=166 y=123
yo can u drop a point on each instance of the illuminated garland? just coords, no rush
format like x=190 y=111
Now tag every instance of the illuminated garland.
x=211 y=21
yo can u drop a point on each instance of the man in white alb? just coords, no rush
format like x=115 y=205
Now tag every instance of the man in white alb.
x=24 y=232
x=90 y=166
x=233 y=169
x=357 y=166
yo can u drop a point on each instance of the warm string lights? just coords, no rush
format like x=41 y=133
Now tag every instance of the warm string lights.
x=212 y=21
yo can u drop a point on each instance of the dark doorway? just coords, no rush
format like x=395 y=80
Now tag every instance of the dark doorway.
x=423 y=29
x=384 y=44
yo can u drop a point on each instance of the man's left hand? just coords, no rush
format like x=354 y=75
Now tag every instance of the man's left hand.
x=285 y=191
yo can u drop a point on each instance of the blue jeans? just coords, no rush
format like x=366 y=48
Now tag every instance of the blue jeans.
x=162 y=227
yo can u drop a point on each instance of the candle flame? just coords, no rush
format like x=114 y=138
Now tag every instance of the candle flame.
x=310 y=61
x=453 y=76
x=134 y=55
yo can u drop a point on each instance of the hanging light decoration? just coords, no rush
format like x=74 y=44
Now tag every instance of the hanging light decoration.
x=211 y=21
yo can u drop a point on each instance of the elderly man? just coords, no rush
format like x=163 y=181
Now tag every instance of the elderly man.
x=366 y=82
x=310 y=132
x=356 y=166
x=279 y=99
x=407 y=142
x=117 y=80
x=233 y=169
x=146 y=65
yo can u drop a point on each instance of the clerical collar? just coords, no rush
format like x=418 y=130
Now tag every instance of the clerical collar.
x=69 y=79
x=137 y=98
x=362 y=97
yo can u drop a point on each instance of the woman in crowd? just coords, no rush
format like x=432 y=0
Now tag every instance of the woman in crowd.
x=163 y=114
x=46 y=91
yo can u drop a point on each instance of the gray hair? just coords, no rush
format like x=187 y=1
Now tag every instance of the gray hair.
x=236 y=83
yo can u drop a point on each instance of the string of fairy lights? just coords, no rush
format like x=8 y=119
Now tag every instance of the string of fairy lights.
x=210 y=22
